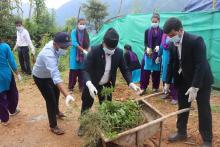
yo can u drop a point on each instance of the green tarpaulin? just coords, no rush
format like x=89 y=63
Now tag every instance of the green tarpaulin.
x=131 y=29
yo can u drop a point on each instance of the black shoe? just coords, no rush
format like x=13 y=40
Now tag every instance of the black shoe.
x=80 y=131
x=177 y=137
x=207 y=144
x=16 y=112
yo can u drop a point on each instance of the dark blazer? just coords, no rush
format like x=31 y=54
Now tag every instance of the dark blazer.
x=196 y=71
x=132 y=65
x=95 y=66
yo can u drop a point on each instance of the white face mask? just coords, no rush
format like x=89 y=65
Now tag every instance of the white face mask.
x=19 y=28
x=61 y=52
x=176 y=40
x=82 y=27
x=108 y=51
x=154 y=25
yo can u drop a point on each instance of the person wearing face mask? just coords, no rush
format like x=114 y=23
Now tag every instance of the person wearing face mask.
x=165 y=54
x=100 y=71
x=192 y=78
x=48 y=79
x=23 y=44
x=8 y=90
x=80 y=41
x=151 y=61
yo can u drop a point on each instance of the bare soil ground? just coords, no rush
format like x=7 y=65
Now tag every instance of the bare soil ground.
x=30 y=127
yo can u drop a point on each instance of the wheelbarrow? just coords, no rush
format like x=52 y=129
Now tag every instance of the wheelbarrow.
x=136 y=137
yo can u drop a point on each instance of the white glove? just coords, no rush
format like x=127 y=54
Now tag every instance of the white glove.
x=33 y=51
x=192 y=92
x=85 y=52
x=157 y=48
x=166 y=88
x=149 y=50
x=92 y=90
x=19 y=77
x=135 y=87
x=157 y=61
x=69 y=98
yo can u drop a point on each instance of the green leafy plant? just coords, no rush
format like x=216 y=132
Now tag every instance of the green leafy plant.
x=107 y=91
x=111 y=118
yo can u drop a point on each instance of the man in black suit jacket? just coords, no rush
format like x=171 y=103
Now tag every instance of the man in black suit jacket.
x=192 y=77
x=100 y=70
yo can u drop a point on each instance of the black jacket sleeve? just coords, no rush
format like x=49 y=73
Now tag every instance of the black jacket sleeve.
x=170 y=65
x=88 y=66
x=200 y=62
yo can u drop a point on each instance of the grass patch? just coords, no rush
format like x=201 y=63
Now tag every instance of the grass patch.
x=215 y=109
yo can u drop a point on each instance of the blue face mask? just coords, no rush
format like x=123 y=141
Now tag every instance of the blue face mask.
x=61 y=52
x=168 y=40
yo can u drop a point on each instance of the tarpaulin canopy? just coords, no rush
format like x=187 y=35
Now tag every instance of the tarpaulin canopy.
x=202 y=5
x=131 y=29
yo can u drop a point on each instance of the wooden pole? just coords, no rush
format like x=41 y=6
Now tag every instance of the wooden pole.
x=148 y=124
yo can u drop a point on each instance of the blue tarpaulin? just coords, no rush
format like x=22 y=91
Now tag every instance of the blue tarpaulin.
x=202 y=5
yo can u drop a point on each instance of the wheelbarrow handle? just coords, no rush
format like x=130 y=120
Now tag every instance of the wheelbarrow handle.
x=149 y=96
x=171 y=114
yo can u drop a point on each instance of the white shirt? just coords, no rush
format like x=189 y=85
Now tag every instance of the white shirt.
x=179 y=49
x=46 y=65
x=106 y=76
x=24 y=39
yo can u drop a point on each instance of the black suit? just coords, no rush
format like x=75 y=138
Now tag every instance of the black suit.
x=196 y=72
x=95 y=68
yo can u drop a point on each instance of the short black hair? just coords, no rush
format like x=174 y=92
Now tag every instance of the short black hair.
x=18 y=22
x=81 y=19
x=128 y=47
x=111 y=38
x=156 y=15
x=172 y=23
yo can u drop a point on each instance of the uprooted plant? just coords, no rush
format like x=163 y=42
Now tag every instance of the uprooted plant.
x=111 y=118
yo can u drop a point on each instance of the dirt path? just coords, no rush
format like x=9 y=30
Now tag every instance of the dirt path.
x=30 y=127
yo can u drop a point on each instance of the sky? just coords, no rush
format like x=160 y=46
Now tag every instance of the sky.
x=52 y=3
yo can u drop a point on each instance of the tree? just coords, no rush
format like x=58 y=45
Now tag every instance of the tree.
x=7 y=27
x=18 y=4
x=95 y=12
x=40 y=8
x=30 y=9
x=70 y=24
x=43 y=22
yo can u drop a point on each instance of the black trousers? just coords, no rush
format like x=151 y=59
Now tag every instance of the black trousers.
x=204 y=111
x=87 y=100
x=24 y=59
x=51 y=94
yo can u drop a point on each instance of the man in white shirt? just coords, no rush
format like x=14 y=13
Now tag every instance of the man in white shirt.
x=48 y=78
x=189 y=69
x=100 y=71
x=23 y=44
